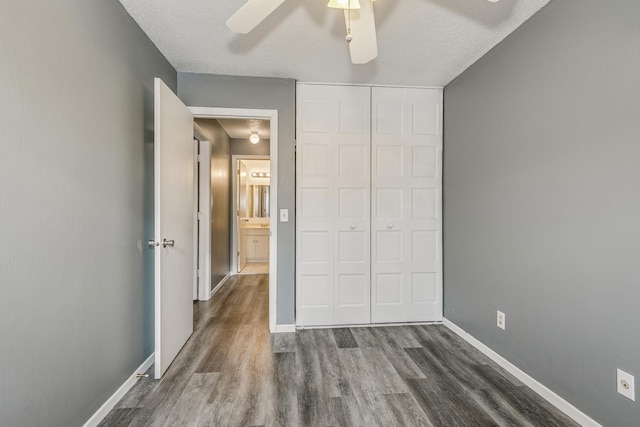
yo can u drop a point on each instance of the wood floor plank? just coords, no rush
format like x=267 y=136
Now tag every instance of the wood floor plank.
x=313 y=402
x=383 y=373
x=393 y=341
x=338 y=412
x=329 y=362
x=344 y=338
x=284 y=343
x=187 y=409
x=120 y=417
x=286 y=409
x=407 y=411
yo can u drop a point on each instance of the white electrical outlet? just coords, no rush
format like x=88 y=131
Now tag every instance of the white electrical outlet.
x=626 y=385
x=502 y=320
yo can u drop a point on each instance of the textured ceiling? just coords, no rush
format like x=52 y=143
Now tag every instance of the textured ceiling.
x=420 y=42
x=242 y=128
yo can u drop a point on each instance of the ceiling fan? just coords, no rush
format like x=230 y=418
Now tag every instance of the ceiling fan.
x=358 y=15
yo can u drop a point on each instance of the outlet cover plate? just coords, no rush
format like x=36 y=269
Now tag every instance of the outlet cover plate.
x=501 y=320
x=626 y=385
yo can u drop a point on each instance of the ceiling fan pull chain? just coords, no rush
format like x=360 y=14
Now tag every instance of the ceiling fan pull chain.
x=349 y=36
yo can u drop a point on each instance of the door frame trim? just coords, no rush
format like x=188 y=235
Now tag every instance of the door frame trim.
x=272 y=116
x=234 y=206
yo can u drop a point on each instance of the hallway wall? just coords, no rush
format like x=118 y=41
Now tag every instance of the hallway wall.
x=76 y=183
x=220 y=199
x=245 y=148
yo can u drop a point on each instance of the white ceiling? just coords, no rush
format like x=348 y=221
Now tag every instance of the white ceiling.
x=242 y=128
x=420 y=42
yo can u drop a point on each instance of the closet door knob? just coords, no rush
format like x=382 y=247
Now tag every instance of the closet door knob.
x=389 y=226
x=353 y=226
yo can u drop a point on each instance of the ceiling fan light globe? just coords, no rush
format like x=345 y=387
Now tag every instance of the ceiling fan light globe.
x=344 y=4
x=254 y=138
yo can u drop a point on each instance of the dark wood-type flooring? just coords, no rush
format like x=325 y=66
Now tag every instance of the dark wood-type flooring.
x=232 y=372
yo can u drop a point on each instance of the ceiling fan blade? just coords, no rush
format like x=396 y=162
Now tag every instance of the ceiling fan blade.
x=364 y=45
x=251 y=14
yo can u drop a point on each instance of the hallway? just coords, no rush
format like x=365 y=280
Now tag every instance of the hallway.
x=232 y=372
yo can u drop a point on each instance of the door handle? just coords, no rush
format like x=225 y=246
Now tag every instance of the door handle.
x=152 y=244
x=389 y=226
x=353 y=226
x=166 y=243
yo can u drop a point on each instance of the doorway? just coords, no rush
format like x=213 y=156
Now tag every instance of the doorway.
x=251 y=212
x=270 y=117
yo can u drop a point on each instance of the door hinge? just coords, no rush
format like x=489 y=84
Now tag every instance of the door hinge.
x=238 y=171
x=199 y=158
x=198 y=273
x=238 y=253
x=199 y=216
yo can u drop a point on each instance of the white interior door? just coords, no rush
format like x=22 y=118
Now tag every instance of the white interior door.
x=406 y=205
x=243 y=214
x=174 y=222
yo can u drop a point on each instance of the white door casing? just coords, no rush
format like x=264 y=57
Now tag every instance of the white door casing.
x=272 y=116
x=406 y=205
x=332 y=196
x=204 y=220
x=242 y=214
x=173 y=215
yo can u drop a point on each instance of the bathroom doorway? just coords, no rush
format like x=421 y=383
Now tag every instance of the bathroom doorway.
x=251 y=195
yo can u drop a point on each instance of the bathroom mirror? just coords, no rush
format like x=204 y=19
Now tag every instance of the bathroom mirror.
x=259 y=201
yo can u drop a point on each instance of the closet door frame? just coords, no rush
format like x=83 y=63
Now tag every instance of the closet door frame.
x=316 y=304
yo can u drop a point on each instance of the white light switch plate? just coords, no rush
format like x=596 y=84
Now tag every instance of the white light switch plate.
x=284 y=215
x=501 y=320
x=626 y=385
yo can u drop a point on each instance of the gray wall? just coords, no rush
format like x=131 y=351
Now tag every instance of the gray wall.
x=220 y=199
x=245 y=148
x=542 y=201
x=76 y=123
x=206 y=90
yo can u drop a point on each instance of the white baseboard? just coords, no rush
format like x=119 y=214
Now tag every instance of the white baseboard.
x=219 y=285
x=557 y=401
x=371 y=325
x=115 y=397
x=285 y=328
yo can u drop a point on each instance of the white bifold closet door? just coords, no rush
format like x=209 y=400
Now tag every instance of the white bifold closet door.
x=333 y=205
x=406 y=234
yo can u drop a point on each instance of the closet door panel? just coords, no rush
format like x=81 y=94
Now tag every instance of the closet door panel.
x=333 y=200
x=314 y=207
x=406 y=226
x=352 y=151
x=424 y=266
